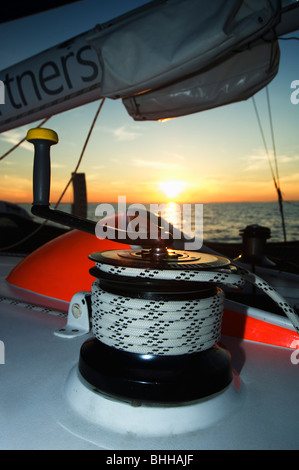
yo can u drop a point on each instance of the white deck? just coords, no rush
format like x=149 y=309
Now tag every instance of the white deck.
x=35 y=413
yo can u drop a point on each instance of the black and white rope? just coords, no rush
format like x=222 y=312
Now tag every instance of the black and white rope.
x=156 y=327
x=227 y=276
x=169 y=327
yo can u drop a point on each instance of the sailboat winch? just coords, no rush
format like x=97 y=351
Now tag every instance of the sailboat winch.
x=156 y=320
x=168 y=359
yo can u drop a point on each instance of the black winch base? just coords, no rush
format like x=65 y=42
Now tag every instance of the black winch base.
x=140 y=378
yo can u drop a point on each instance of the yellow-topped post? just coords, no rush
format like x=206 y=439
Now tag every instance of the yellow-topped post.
x=42 y=139
x=43 y=134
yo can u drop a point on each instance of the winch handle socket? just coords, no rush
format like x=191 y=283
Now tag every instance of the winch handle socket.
x=42 y=139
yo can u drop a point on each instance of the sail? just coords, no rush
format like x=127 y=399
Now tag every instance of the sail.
x=152 y=57
x=230 y=80
x=51 y=82
x=177 y=39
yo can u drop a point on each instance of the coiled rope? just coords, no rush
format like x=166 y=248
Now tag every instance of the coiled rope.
x=163 y=327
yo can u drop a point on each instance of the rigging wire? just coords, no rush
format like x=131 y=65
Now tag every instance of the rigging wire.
x=280 y=200
x=67 y=185
x=272 y=135
x=264 y=140
x=275 y=177
x=23 y=140
x=292 y=38
x=82 y=153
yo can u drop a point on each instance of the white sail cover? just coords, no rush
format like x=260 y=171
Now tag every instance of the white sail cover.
x=176 y=38
x=165 y=59
x=234 y=79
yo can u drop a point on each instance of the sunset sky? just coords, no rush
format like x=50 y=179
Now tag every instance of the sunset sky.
x=213 y=156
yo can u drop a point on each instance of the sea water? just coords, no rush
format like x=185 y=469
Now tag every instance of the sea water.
x=222 y=222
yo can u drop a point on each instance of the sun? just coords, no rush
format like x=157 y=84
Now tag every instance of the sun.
x=172 y=188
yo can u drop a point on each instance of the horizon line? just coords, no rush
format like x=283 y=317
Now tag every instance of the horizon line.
x=163 y=202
